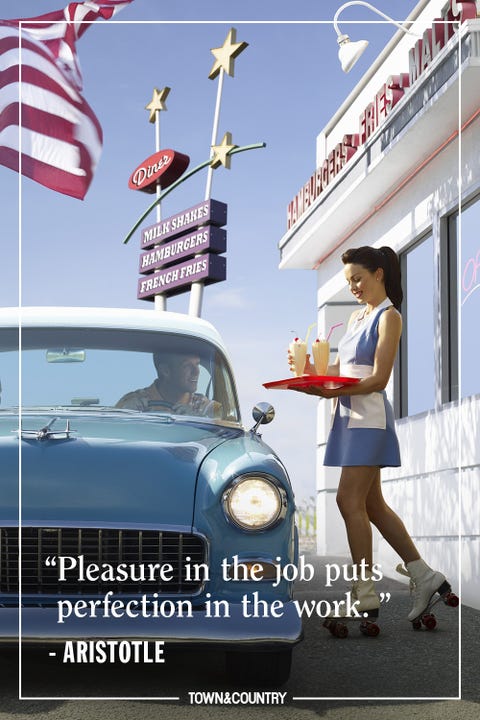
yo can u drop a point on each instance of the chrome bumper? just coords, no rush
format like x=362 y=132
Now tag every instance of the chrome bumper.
x=39 y=627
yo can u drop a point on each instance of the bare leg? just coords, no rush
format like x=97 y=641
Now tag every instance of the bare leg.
x=353 y=490
x=388 y=522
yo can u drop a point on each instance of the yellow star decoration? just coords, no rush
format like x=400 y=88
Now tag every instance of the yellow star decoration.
x=157 y=102
x=225 y=55
x=221 y=152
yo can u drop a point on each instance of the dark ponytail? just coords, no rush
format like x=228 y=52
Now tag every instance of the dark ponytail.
x=374 y=258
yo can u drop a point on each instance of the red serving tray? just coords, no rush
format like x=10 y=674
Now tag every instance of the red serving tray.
x=310 y=381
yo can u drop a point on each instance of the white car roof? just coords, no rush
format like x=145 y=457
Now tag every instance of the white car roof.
x=121 y=318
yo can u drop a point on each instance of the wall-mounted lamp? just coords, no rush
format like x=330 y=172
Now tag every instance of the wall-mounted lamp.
x=349 y=52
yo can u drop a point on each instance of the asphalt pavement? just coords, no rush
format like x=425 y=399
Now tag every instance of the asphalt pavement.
x=400 y=674
x=400 y=662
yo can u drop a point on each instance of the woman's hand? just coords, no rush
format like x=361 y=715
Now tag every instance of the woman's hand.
x=309 y=368
x=319 y=391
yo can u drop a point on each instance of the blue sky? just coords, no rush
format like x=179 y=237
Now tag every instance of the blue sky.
x=287 y=85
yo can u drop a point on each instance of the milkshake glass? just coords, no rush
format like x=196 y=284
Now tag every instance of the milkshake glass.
x=321 y=355
x=298 y=351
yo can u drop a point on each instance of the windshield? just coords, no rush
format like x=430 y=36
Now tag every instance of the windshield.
x=140 y=371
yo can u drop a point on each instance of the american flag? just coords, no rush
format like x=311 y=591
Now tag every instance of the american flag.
x=48 y=131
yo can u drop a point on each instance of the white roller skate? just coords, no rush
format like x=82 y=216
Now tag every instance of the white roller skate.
x=363 y=592
x=425 y=583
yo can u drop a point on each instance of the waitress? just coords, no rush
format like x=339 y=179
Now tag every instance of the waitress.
x=362 y=438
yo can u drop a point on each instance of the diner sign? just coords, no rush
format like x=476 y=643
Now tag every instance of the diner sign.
x=209 y=238
x=163 y=167
x=210 y=212
x=194 y=236
x=207 y=268
x=420 y=57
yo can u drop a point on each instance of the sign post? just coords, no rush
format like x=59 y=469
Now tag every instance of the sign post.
x=185 y=251
x=155 y=106
x=224 y=62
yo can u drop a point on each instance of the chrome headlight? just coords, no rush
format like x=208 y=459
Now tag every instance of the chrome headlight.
x=255 y=502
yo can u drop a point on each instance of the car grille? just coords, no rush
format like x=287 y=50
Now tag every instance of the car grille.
x=98 y=546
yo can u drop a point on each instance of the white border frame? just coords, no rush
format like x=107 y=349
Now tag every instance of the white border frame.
x=293 y=698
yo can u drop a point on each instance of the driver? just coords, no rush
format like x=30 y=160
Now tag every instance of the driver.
x=174 y=389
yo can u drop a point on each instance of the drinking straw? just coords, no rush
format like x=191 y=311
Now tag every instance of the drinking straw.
x=332 y=329
x=309 y=329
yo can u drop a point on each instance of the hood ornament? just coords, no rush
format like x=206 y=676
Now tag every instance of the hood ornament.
x=46 y=434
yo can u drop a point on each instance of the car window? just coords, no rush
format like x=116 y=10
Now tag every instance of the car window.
x=134 y=370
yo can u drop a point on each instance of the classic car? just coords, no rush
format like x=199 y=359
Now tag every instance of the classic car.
x=139 y=508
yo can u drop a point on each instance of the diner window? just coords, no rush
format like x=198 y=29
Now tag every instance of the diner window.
x=417 y=351
x=464 y=233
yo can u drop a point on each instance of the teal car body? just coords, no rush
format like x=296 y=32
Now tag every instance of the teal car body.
x=108 y=486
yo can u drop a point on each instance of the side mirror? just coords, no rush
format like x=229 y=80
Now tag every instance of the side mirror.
x=263 y=413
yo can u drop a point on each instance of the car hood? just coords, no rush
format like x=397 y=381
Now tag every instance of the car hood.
x=108 y=469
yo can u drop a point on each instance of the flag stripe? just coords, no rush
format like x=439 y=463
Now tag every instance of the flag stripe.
x=60 y=155
x=55 y=179
x=55 y=104
x=62 y=132
x=60 y=139
x=33 y=53
x=79 y=16
x=44 y=71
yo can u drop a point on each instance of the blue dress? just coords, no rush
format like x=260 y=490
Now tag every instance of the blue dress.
x=363 y=426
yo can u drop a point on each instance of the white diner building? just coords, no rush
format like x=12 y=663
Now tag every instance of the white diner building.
x=399 y=165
